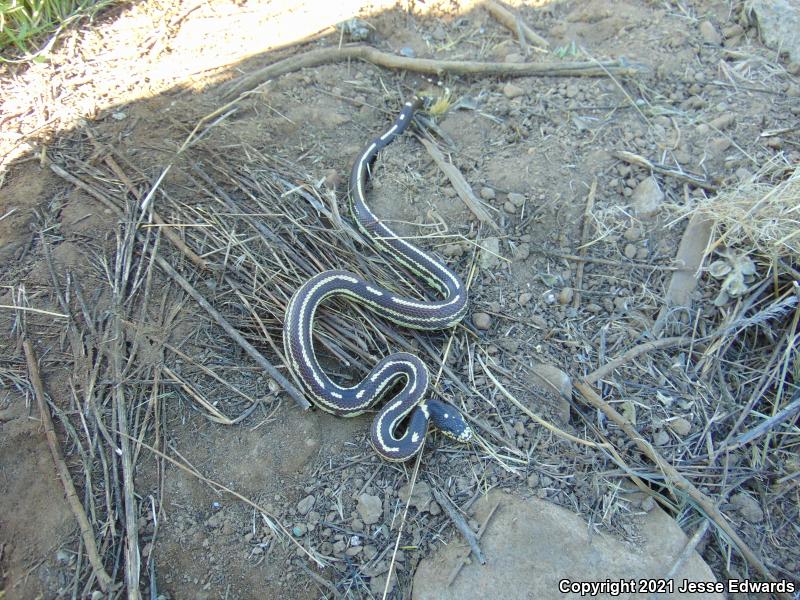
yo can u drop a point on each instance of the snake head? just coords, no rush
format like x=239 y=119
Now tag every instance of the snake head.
x=449 y=420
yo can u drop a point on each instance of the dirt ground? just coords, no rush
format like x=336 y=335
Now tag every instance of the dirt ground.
x=707 y=101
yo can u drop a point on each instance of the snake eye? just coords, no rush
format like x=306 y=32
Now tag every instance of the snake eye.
x=449 y=420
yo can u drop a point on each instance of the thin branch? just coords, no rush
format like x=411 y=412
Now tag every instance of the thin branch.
x=322 y=56
x=87 y=533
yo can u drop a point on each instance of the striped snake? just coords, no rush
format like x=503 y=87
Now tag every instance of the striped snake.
x=400 y=367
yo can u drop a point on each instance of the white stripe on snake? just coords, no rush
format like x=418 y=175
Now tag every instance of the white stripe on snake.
x=408 y=312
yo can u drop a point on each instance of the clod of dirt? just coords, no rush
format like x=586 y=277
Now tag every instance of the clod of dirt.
x=370 y=508
x=512 y=91
x=710 y=34
x=748 y=507
x=421 y=496
x=482 y=320
x=490 y=253
x=681 y=427
x=305 y=504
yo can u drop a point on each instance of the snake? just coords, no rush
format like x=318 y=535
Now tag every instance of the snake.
x=409 y=406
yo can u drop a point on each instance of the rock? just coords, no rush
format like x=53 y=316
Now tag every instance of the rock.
x=719 y=145
x=723 y=121
x=378 y=584
x=632 y=233
x=522 y=251
x=629 y=251
x=488 y=193
x=370 y=508
x=524 y=298
x=748 y=507
x=563 y=548
x=509 y=208
x=305 y=505
x=680 y=426
x=552 y=379
x=511 y=90
x=481 y=320
x=779 y=24
x=454 y=250
x=421 y=497
x=710 y=34
x=647 y=198
x=661 y=438
x=490 y=253
x=516 y=199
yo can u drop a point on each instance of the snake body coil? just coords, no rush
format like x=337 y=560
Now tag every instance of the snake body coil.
x=408 y=312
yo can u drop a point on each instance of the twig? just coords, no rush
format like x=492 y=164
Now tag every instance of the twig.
x=320 y=580
x=549 y=426
x=457 y=179
x=514 y=23
x=171 y=235
x=288 y=387
x=606 y=261
x=685 y=554
x=87 y=533
x=598 y=374
x=674 y=478
x=576 y=301
x=35 y=310
x=460 y=524
x=695 y=180
x=322 y=56
x=479 y=535
x=414 y=474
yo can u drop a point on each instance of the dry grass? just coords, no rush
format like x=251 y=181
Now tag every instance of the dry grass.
x=761 y=214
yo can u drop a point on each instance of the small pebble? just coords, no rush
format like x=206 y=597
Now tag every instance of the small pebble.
x=305 y=504
x=682 y=427
x=632 y=233
x=516 y=199
x=370 y=508
x=719 y=145
x=488 y=193
x=511 y=90
x=647 y=197
x=482 y=321
x=509 y=208
x=524 y=298
x=710 y=34
x=723 y=121
x=661 y=438
x=299 y=530
x=629 y=251
x=522 y=252
x=748 y=507
x=539 y=322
